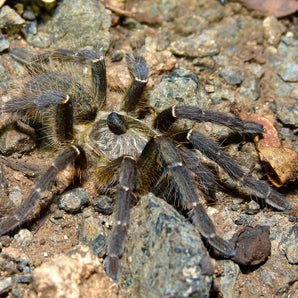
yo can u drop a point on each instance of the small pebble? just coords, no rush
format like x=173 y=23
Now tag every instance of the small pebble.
x=4 y=44
x=103 y=204
x=273 y=30
x=252 y=245
x=292 y=254
x=231 y=75
x=288 y=115
x=74 y=201
x=24 y=237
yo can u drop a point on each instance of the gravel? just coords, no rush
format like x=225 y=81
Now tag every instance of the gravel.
x=202 y=53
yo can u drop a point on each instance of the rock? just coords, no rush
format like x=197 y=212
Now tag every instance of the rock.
x=252 y=245
x=10 y=20
x=289 y=71
x=24 y=237
x=251 y=88
x=255 y=69
x=12 y=141
x=288 y=115
x=292 y=254
x=201 y=45
x=178 y=87
x=103 y=204
x=273 y=30
x=228 y=32
x=223 y=94
x=93 y=234
x=79 y=24
x=4 y=44
x=229 y=278
x=165 y=252
x=5 y=285
x=74 y=201
x=232 y=75
x=289 y=245
x=72 y=274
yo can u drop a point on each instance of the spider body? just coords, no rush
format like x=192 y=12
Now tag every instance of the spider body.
x=126 y=156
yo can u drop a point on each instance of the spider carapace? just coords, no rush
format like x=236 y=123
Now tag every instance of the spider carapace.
x=126 y=155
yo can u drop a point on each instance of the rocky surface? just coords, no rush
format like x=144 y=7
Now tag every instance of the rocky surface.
x=200 y=52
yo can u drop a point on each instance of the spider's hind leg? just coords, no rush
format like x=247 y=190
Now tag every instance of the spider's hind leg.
x=203 y=174
x=209 y=148
x=181 y=179
x=213 y=151
x=44 y=184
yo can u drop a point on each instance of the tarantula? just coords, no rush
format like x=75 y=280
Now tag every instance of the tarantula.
x=124 y=154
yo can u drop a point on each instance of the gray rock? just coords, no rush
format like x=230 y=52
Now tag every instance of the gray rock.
x=81 y=23
x=4 y=44
x=179 y=87
x=288 y=115
x=288 y=40
x=289 y=71
x=272 y=56
x=167 y=256
x=10 y=20
x=229 y=278
x=189 y=25
x=103 y=204
x=227 y=32
x=232 y=75
x=204 y=63
x=3 y=73
x=31 y=28
x=74 y=201
x=243 y=219
x=289 y=242
x=273 y=30
x=255 y=69
x=24 y=237
x=23 y=279
x=41 y=39
x=29 y=15
x=92 y=233
x=201 y=45
x=250 y=88
x=99 y=246
x=5 y=285
x=279 y=86
x=166 y=8
x=292 y=253
x=223 y=94
x=213 y=12
x=287 y=134
x=14 y=141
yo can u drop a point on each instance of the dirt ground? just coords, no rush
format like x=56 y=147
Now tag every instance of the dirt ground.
x=53 y=236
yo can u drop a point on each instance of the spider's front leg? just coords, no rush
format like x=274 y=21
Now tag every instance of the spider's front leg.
x=98 y=70
x=127 y=184
x=89 y=57
x=167 y=117
x=139 y=71
x=64 y=133
x=181 y=179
